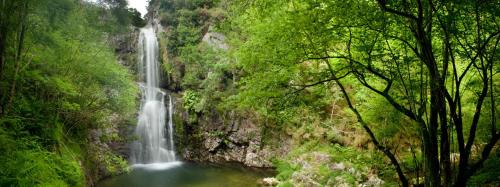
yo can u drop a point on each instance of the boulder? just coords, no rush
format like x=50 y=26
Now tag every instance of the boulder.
x=270 y=181
x=373 y=181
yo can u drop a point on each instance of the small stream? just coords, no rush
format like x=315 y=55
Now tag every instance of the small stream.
x=184 y=174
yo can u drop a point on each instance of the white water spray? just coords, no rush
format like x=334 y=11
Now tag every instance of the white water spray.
x=154 y=142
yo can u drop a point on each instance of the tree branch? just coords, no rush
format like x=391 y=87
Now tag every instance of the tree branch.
x=380 y=147
x=383 y=6
x=303 y=87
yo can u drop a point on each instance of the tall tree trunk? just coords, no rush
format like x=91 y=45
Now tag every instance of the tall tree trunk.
x=430 y=144
x=422 y=34
x=3 y=41
x=444 y=146
x=443 y=116
x=18 y=59
x=432 y=166
x=2 y=49
x=3 y=35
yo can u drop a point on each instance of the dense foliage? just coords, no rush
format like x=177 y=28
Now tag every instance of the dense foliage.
x=402 y=91
x=198 y=68
x=59 y=80
x=417 y=79
x=434 y=64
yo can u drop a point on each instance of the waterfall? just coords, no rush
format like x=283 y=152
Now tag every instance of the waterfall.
x=154 y=142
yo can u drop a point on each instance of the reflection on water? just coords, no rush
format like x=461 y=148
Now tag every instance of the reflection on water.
x=186 y=175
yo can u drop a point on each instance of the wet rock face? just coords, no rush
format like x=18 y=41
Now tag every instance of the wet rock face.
x=234 y=139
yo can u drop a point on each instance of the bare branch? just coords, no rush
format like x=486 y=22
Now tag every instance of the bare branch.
x=303 y=87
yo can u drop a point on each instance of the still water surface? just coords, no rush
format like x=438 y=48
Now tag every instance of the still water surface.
x=183 y=174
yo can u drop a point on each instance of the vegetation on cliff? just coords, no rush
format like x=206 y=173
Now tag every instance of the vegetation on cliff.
x=60 y=81
x=353 y=93
x=415 y=81
x=432 y=64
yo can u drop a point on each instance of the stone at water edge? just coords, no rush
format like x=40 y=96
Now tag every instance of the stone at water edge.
x=269 y=181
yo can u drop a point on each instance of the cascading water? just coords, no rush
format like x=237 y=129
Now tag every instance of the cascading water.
x=154 y=142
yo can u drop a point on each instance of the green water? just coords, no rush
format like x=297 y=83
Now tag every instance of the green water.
x=187 y=175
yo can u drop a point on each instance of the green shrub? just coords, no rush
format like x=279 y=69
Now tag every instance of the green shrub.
x=285 y=170
x=30 y=165
x=489 y=175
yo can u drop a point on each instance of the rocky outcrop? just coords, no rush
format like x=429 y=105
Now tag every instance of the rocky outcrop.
x=319 y=169
x=215 y=39
x=233 y=139
x=106 y=153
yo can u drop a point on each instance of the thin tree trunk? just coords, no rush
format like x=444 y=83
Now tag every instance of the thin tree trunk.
x=432 y=166
x=445 y=147
x=380 y=147
x=430 y=146
x=445 y=141
x=18 y=57
x=3 y=36
x=8 y=107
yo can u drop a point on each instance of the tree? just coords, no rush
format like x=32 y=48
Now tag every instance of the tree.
x=434 y=62
x=136 y=18
x=59 y=80
x=12 y=33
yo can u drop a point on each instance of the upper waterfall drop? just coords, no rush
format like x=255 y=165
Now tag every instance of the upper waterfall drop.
x=154 y=142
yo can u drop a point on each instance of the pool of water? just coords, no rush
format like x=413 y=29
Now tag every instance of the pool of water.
x=184 y=174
